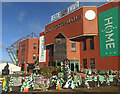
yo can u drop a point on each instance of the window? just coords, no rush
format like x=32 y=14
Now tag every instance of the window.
x=44 y=65
x=27 y=69
x=73 y=46
x=23 y=48
x=49 y=51
x=52 y=51
x=34 y=56
x=84 y=44
x=53 y=64
x=22 y=57
x=34 y=46
x=58 y=64
x=85 y=63
x=91 y=43
x=48 y=63
x=22 y=67
x=92 y=60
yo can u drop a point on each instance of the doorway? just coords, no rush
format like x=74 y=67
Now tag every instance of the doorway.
x=74 y=65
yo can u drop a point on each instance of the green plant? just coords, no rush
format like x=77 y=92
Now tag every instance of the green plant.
x=46 y=71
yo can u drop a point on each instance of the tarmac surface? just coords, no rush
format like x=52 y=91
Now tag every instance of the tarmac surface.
x=95 y=90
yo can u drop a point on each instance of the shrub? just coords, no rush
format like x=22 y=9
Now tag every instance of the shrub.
x=46 y=71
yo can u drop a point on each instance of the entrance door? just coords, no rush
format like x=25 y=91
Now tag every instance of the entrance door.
x=77 y=67
x=74 y=65
x=59 y=48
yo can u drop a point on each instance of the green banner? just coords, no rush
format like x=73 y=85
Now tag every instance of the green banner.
x=108 y=32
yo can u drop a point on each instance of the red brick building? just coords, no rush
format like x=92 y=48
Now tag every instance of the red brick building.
x=88 y=37
x=78 y=39
x=28 y=53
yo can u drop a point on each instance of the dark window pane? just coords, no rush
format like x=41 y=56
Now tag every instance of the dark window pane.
x=58 y=64
x=53 y=64
x=77 y=67
x=52 y=51
x=73 y=46
x=49 y=51
x=22 y=67
x=48 y=63
x=27 y=69
x=34 y=46
x=23 y=48
x=91 y=42
x=34 y=56
x=84 y=44
x=85 y=63
x=72 y=67
x=92 y=60
x=44 y=65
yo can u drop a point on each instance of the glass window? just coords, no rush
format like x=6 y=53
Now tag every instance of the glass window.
x=92 y=61
x=91 y=43
x=84 y=44
x=85 y=63
x=23 y=48
x=49 y=51
x=58 y=64
x=52 y=51
x=27 y=69
x=73 y=46
x=34 y=55
x=48 y=63
x=44 y=65
x=22 y=57
x=22 y=67
x=34 y=46
x=53 y=64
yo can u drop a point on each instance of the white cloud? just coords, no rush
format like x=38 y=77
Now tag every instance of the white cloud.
x=21 y=16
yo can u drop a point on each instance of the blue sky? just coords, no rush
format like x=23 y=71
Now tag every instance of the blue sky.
x=21 y=18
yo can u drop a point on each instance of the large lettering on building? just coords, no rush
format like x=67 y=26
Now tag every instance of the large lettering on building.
x=109 y=33
x=42 y=49
x=70 y=9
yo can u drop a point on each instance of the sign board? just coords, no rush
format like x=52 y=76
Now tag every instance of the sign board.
x=69 y=9
x=42 y=49
x=72 y=19
x=109 y=33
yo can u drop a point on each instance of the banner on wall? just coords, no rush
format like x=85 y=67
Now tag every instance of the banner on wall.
x=109 y=33
x=42 y=49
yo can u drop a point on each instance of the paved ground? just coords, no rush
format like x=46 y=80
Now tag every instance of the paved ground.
x=101 y=90
x=112 y=89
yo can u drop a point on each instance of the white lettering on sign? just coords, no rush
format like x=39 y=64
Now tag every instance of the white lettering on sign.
x=109 y=33
x=70 y=9
x=42 y=49
x=109 y=37
x=108 y=20
x=109 y=44
x=73 y=7
x=55 y=16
